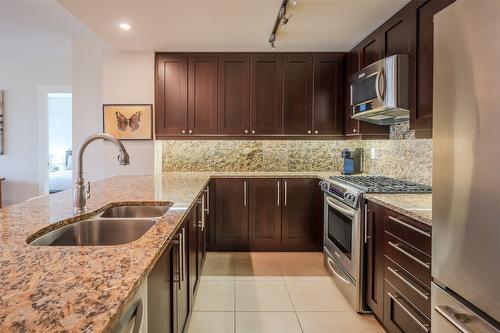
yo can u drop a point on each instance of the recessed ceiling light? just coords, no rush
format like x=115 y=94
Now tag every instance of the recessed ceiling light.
x=124 y=26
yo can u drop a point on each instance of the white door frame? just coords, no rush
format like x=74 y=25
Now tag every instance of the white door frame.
x=43 y=133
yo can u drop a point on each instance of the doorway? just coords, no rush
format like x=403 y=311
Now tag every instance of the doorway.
x=56 y=169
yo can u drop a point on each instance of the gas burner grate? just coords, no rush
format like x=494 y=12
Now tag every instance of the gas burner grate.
x=380 y=184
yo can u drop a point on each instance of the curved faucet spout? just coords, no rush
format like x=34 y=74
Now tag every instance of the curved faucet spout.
x=79 y=195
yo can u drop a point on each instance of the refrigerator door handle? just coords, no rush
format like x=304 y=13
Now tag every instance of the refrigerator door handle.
x=460 y=319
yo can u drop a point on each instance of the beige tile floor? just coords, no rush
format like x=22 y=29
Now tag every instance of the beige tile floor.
x=272 y=292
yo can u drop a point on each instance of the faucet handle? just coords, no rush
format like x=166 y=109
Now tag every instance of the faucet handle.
x=88 y=190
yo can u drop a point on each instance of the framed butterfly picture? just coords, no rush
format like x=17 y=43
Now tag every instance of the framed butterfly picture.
x=128 y=121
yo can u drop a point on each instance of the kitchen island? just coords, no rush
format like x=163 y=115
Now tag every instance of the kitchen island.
x=85 y=289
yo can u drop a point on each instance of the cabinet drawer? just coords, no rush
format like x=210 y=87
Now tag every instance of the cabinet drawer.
x=413 y=261
x=400 y=315
x=414 y=290
x=413 y=232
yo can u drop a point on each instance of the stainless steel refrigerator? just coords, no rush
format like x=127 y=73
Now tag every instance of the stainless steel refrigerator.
x=466 y=177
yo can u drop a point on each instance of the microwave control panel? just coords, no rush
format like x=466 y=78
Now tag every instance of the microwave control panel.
x=367 y=106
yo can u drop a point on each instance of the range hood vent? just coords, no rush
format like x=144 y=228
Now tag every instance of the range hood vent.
x=384 y=116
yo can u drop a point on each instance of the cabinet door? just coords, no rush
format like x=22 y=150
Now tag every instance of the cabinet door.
x=192 y=245
x=374 y=296
x=231 y=214
x=202 y=107
x=400 y=315
x=421 y=117
x=266 y=94
x=234 y=94
x=160 y=286
x=297 y=95
x=328 y=94
x=171 y=107
x=298 y=214
x=351 y=67
x=264 y=215
x=180 y=277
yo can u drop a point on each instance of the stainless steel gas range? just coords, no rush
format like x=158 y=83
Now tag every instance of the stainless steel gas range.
x=345 y=226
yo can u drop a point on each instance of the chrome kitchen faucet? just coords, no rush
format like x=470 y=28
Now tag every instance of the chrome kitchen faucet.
x=80 y=194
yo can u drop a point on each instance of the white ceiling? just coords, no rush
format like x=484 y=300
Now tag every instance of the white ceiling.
x=37 y=28
x=231 y=25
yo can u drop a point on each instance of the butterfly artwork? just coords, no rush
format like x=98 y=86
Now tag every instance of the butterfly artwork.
x=123 y=122
x=129 y=121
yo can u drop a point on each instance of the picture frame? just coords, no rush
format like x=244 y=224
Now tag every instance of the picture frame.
x=128 y=121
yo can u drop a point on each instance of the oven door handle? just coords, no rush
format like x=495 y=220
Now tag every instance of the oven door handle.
x=339 y=208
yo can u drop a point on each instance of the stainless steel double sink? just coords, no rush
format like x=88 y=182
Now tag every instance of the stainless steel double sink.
x=115 y=225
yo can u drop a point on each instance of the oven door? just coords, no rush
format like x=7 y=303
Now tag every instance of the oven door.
x=367 y=88
x=341 y=236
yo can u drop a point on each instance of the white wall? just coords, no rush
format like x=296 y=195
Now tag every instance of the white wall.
x=21 y=78
x=104 y=76
x=128 y=78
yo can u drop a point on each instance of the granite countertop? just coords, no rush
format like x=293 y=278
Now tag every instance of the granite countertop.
x=84 y=289
x=417 y=206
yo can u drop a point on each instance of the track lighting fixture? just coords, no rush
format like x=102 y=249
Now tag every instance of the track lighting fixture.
x=282 y=20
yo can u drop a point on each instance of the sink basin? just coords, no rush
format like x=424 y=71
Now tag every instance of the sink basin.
x=135 y=211
x=99 y=231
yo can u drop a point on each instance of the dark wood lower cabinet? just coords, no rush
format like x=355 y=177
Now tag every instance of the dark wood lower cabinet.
x=266 y=214
x=264 y=204
x=374 y=292
x=398 y=272
x=231 y=211
x=160 y=282
x=298 y=219
x=180 y=286
x=192 y=245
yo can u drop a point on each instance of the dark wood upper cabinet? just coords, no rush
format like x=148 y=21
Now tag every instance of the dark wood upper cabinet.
x=234 y=94
x=328 y=115
x=374 y=293
x=421 y=117
x=297 y=94
x=231 y=214
x=371 y=49
x=264 y=202
x=202 y=94
x=171 y=94
x=298 y=215
x=266 y=107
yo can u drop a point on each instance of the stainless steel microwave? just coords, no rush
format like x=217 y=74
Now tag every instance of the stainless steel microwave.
x=379 y=92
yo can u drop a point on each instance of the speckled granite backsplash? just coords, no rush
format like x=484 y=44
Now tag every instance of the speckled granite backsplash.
x=403 y=159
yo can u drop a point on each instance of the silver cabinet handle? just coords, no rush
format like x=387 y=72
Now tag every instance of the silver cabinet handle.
x=308 y=131
x=183 y=254
x=207 y=209
x=354 y=130
x=409 y=255
x=246 y=131
x=183 y=131
x=202 y=226
x=244 y=193
x=366 y=225
x=316 y=132
x=253 y=131
x=190 y=131
x=286 y=191
x=409 y=226
x=425 y=327
x=408 y=283
x=278 y=196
